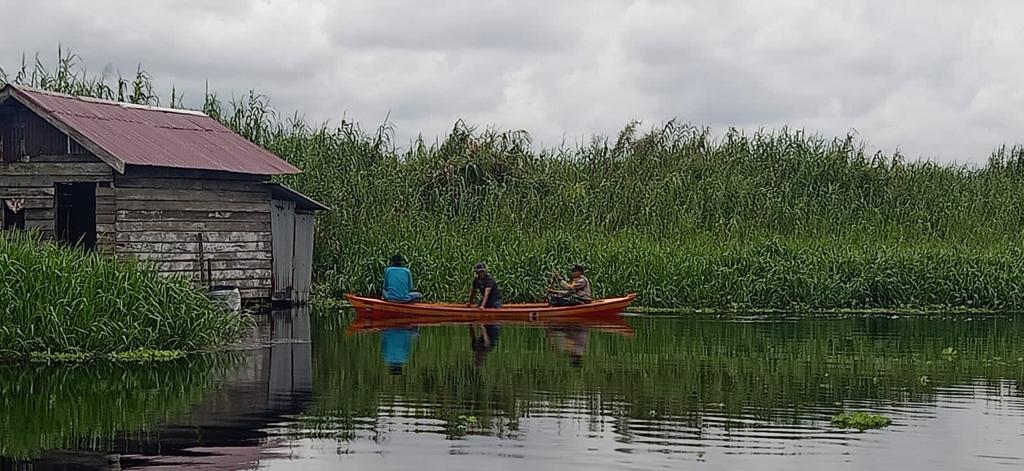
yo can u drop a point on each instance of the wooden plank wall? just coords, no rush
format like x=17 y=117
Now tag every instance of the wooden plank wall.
x=34 y=180
x=162 y=219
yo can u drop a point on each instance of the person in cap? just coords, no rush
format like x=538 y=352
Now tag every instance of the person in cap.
x=487 y=286
x=398 y=286
x=573 y=292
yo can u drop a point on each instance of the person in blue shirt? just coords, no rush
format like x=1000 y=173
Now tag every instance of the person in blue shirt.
x=398 y=286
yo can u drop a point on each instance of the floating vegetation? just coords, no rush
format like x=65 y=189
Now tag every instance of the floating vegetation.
x=146 y=355
x=61 y=304
x=59 y=357
x=861 y=420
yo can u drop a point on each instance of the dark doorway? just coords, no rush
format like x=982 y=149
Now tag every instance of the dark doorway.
x=76 y=214
x=11 y=219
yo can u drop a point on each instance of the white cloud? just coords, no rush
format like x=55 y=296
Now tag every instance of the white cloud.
x=938 y=79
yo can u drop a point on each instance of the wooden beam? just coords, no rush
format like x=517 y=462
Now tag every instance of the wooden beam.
x=42 y=181
x=56 y=169
x=64 y=158
x=190 y=236
x=165 y=194
x=194 y=256
x=30 y=192
x=144 y=171
x=193 y=226
x=191 y=206
x=215 y=184
x=143 y=215
x=193 y=247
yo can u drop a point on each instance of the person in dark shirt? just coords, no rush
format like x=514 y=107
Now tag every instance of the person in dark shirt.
x=488 y=288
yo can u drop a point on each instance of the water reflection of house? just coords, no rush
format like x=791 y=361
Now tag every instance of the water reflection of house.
x=232 y=427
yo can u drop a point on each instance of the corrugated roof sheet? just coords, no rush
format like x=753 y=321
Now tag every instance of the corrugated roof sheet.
x=158 y=137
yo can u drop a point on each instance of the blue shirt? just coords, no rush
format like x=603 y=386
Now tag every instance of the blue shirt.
x=397 y=284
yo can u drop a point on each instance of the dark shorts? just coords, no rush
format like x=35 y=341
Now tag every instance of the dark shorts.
x=567 y=300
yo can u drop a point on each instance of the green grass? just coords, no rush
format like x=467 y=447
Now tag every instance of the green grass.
x=61 y=304
x=776 y=219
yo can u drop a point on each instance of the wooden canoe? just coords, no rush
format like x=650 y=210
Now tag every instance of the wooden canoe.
x=371 y=307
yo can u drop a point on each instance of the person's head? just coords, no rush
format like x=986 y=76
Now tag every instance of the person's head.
x=395 y=368
x=480 y=269
x=397 y=260
x=578 y=270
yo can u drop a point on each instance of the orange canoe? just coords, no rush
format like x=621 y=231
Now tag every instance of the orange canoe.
x=376 y=308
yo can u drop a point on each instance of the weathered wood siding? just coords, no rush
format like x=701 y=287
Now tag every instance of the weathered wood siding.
x=186 y=222
x=33 y=182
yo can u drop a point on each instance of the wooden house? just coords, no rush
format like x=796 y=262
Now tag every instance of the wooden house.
x=174 y=187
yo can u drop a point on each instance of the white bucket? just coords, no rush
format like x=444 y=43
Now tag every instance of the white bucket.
x=227 y=296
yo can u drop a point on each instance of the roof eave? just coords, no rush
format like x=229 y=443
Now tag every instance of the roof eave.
x=295 y=195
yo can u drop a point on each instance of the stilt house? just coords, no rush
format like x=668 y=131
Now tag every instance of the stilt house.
x=174 y=187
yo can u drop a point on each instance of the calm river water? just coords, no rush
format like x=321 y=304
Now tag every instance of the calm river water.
x=693 y=392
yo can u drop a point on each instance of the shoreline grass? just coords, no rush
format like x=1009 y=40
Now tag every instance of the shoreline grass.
x=62 y=304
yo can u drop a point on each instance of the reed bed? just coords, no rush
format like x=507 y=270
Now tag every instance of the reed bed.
x=774 y=219
x=59 y=300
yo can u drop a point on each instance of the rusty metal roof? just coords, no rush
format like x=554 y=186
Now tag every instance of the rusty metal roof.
x=121 y=133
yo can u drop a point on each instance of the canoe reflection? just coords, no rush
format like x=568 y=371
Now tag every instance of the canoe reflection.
x=568 y=336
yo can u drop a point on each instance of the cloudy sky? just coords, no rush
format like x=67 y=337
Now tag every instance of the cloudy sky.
x=938 y=79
